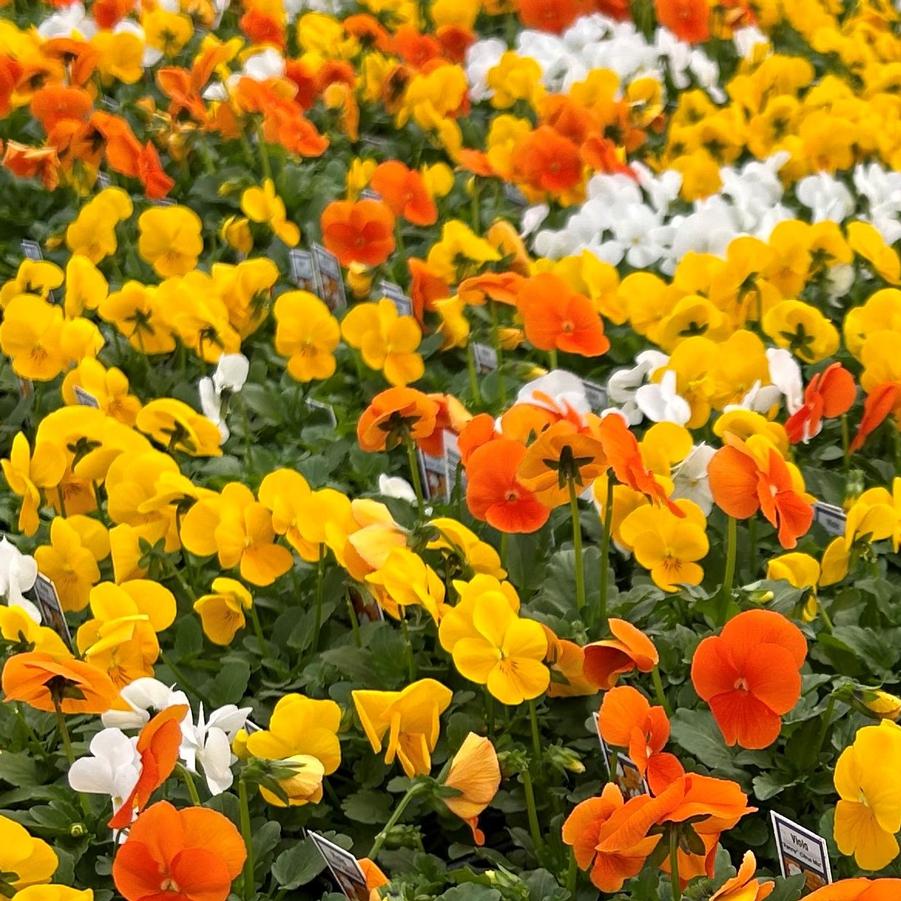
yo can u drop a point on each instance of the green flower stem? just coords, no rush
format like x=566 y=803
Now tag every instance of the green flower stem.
x=473 y=376
x=577 y=545
x=552 y=357
x=674 y=864
x=658 y=690
x=825 y=723
x=393 y=820
x=67 y=747
x=502 y=550
x=317 y=624
x=248 y=887
x=415 y=477
x=258 y=631
x=572 y=873
x=846 y=442
x=411 y=659
x=474 y=206
x=264 y=154
x=729 y=572
x=188 y=778
x=354 y=622
x=489 y=711
x=499 y=351
x=605 y=554
x=536 y=734
x=532 y=810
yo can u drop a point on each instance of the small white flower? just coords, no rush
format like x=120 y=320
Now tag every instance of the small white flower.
x=113 y=768
x=622 y=384
x=262 y=66
x=826 y=197
x=558 y=391
x=532 y=219
x=747 y=38
x=18 y=572
x=69 y=22
x=231 y=372
x=396 y=487
x=660 y=401
x=142 y=696
x=690 y=478
x=785 y=374
x=207 y=744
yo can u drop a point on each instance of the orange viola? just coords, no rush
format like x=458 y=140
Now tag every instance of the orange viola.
x=358 y=231
x=394 y=415
x=586 y=831
x=158 y=746
x=180 y=855
x=880 y=402
x=557 y=318
x=689 y=20
x=750 y=676
x=743 y=886
x=828 y=394
x=551 y=15
x=627 y=720
x=747 y=476
x=494 y=493
x=629 y=649
x=859 y=890
x=405 y=193
x=46 y=682
x=547 y=161
x=560 y=461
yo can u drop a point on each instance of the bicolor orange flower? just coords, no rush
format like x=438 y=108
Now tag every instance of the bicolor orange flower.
x=747 y=476
x=561 y=458
x=43 y=681
x=566 y=661
x=476 y=774
x=750 y=676
x=181 y=855
x=394 y=415
x=586 y=830
x=828 y=394
x=629 y=649
x=880 y=402
x=358 y=232
x=556 y=317
x=158 y=746
x=627 y=720
x=494 y=493
x=404 y=190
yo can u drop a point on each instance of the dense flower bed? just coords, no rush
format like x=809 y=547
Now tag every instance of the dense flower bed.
x=451 y=449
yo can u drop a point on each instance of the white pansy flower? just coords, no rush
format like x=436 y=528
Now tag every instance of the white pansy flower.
x=396 y=487
x=143 y=697
x=690 y=478
x=18 y=572
x=660 y=401
x=113 y=767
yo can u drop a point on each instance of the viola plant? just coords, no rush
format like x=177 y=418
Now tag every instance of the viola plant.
x=451 y=450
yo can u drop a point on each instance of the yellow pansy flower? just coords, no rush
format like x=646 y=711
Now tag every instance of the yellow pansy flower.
x=24 y=859
x=27 y=474
x=72 y=566
x=222 y=612
x=406 y=580
x=264 y=205
x=169 y=239
x=307 y=334
x=386 y=340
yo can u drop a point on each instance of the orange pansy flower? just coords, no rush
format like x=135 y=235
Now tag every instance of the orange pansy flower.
x=566 y=661
x=630 y=648
x=359 y=231
x=689 y=20
x=478 y=431
x=158 y=746
x=859 y=890
x=57 y=102
x=551 y=15
x=561 y=459
x=747 y=476
x=36 y=678
x=880 y=402
x=495 y=494
x=547 y=161
x=180 y=855
x=750 y=676
x=828 y=394
x=557 y=318
x=627 y=720
x=425 y=287
x=586 y=830
x=743 y=886
x=394 y=414
x=452 y=416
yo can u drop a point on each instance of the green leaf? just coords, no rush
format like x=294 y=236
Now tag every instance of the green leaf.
x=543 y=886
x=768 y=785
x=368 y=807
x=230 y=683
x=18 y=769
x=298 y=865
x=471 y=892
x=697 y=732
x=879 y=649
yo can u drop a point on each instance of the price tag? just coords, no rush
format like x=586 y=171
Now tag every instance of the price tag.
x=626 y=776
x=48 y=603
x=330 y=278
x=485 y=357
x=395 y=293
x=831 y=517
x=801 y=851
x=344 y=867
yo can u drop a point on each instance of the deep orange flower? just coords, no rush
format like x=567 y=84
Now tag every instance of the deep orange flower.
x=566 y=661
x=10 y=73
x=478 y=431
x=628 y=721
x=36 y=678
x=474 y=161
x=452 y=416
x=547 y=161
x=504 y=287
x=880 y=402
x=179 y=855
x=368 y=31
x=108 y=13
x=33 y=162
x=560 y=459
x=358 y=232
x=394 y=414
x=556 y=317
x=587 y=828
x=158 y=746
x=79 y=57
x=741 y=486
x=455 y=41
x=630 y=648
x=551 y=15
x=689 y=20
x=624 y=455
x=494 y=493
x=261 y=28
x=828 y=394
x=414 y=47
x=859 y=890
x=373 y=874
x=603 y=155
x=405 y=193
x=425 y=287
x=151 y=173
x=56 y=102
x=750 y=676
